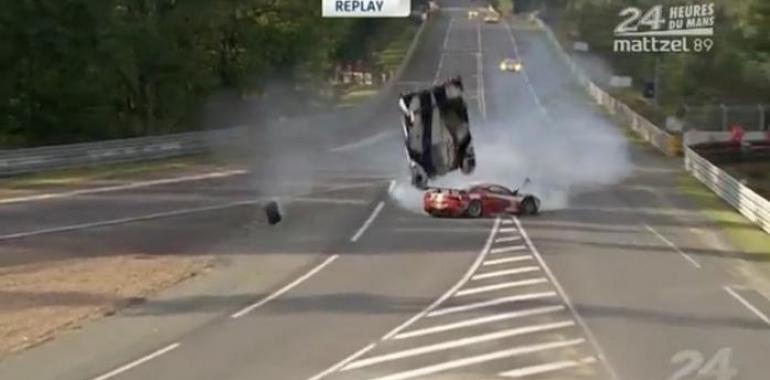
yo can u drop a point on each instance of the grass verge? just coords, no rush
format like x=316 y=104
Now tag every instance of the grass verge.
x=752 y=241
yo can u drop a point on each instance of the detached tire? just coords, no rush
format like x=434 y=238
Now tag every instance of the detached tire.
x=529 y=206
x=273 y=213
x=474 y=209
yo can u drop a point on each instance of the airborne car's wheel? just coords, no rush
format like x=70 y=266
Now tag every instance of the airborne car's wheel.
x=474 y=209
x=529 y=206
x=468 y=165
x=419 y=180
x=273 y=213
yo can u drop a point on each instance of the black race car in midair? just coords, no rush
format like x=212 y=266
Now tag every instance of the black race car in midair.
x=437 y=132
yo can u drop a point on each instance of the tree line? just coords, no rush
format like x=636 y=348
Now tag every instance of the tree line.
x=81 y=70
x=735 y=71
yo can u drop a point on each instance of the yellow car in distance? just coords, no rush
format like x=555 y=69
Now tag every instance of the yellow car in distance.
x=492 y=17
x=510 y=64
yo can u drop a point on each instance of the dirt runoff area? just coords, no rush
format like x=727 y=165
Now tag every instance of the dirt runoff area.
x=43 y=293
x=39 y=300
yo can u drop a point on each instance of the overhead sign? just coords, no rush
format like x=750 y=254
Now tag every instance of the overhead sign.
x=366 y=8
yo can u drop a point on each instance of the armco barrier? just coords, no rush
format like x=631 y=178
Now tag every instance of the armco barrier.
x=648 y=131
x=18 y=161
x=752 y=205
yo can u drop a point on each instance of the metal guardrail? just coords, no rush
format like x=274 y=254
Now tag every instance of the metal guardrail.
x=18 y=161
x=667 y=143
x=752 y=205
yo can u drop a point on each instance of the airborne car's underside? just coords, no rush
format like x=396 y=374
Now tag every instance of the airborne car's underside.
x=437 y=132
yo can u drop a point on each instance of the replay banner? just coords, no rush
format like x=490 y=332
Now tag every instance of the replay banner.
x=367 y=8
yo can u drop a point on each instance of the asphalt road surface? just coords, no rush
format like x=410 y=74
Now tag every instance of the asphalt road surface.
x=627 y=282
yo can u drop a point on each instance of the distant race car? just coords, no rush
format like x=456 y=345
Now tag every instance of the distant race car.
x=437 y=132
x=478 y=201
x=510 y=64
x=492 y=17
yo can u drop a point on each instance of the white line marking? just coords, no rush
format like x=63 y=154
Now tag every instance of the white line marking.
x=452 y=364
x=366 y=141
x=168 y=214
x=391 y=186
x=138 y=362
x=492 y=302
x=133 y=185
x=505 y=272
x=443 y=55
x=507 y=230
x=105 y=223
x=336 y=201
x=478 y=36
x=330 y=189
x=368 y=222
x=286 y=288
x=448 y=30
x=513 y=248
x=507 y=239
x=507 y=222
x=507 y=260
x=447 y=345
x=480 y=321
x=451 y=290
x=548 y=367
x=480 y=76
x=747 y=304
x=673 y=246
x=342 y=363
x=505 y=285
x=439 y=68
x=567 y=301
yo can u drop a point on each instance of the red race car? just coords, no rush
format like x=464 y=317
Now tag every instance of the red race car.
x=478 y=201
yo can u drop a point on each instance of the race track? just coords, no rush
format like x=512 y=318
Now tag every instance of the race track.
x=616 y=282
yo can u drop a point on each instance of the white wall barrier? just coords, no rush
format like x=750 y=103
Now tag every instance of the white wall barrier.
x=752 y=205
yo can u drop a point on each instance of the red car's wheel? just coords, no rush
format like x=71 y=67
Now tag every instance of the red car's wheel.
x=528 y=206
x=474 y=209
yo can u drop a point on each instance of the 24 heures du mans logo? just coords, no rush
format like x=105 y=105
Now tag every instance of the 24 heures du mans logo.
x=670 y=29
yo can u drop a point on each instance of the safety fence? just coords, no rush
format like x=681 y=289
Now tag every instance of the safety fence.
x=721 y=117
x=752 y=205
